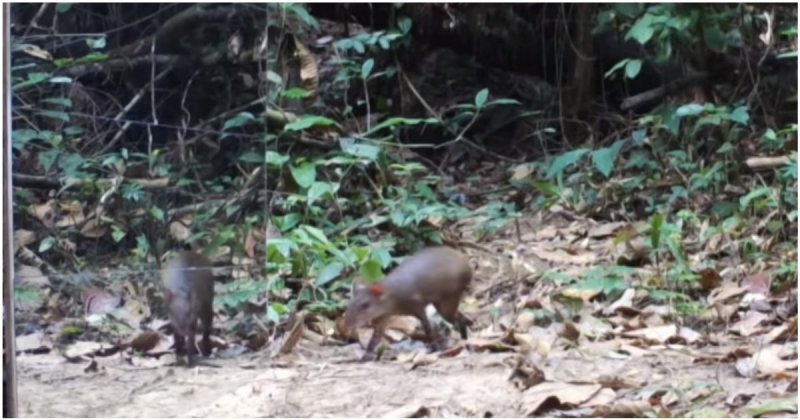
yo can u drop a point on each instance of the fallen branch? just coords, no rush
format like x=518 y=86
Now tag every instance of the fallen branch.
x=765 y=163
x=636 y=101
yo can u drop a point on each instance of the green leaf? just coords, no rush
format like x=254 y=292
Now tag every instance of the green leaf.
x=404 y=23
x=617 y=67
x=302 y=13
x=398 y=121
x=308 y=121
x=639 y=137
x=642 y=31
x=740 y=115
x=23 y=136
x=56 y=115
x=656 y=225
x=47 y=244
x=48 y=158
x=239 y=120
x=747 y=199
x=562 y=162
x=632 y=68
x=366 y=68
x=63 y=7
x=252 y=157
x=157 y=213
x=96 y=44
x=329 y=273
x=604 y=158
x=317 y=190
x=304 y=175
x=295 y=93
x=274 y=77
x=276 y=159
x=774 y=406
x=362 y=150
x=117 y=234
x=316 y=234
x=690 y=110
x=371 y=270
x=481 y=97
x=33 y=79
x=714 y=38
x=65 y=102
x=60 y=80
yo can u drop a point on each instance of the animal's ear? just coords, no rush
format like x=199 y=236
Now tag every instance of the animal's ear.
x=376 y=289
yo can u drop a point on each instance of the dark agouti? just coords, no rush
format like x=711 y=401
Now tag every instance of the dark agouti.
x=437 y=276
x=189 y=296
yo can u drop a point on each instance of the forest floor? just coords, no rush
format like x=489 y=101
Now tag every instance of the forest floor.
x=623 y=357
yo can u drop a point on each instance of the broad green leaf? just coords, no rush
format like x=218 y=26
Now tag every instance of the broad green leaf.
x=47 y=244
x=371 y=270
x=316 y=234
x=366 y=68
x=329 y=273
x=308 y=121
x=252 y=157
x=276 y=159
x=481 y=97
x=304 y=174
x=317 y=190
x=117 y=234
x=616 y=67
x=367 y=151
x=714 y=38
x=56 y=115
x=157 y=213
x=404 y=23
x=690 y=110
x=642 y=31
x=639 y=137
x=747 y=199
x=63 y=7
x=239 y=120
x=603 y=160
x=632 y=68
x=655 y=230
x=774 y=406
x=562 y=162
x=96 y=44
x=740 y=115
x=274 y=77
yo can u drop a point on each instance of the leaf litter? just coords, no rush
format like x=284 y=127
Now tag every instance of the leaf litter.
x=540 y=347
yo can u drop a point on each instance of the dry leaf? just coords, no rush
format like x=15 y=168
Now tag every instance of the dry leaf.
x=33 y=343
x=749 y=323
x=30 y=277
x=23 y=238
x=658 y=335
x=710 y=279
x=766 y=362
x=758 y=283
x=726 y=291
x=91 y=229
x=565 y=395
x=784 y=332
x=624 y=409
x=626 y=300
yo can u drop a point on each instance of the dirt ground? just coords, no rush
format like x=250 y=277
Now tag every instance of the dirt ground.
x=644 y=366
x=475 y=385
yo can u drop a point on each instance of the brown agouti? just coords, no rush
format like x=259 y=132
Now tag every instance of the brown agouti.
x=437 y=276
x=189 y=296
